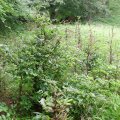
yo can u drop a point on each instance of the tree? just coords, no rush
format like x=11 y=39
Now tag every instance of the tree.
x=84 y=8
x=6 y=10
x=63 y=9
x=11 y=11
x=53 y=7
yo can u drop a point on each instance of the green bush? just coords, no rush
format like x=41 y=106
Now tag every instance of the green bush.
x=12 y=12
x=70 y=10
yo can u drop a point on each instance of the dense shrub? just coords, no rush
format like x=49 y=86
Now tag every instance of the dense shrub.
x=55 y=78
x=37 y=68
x=70 y=10
x=11 y=12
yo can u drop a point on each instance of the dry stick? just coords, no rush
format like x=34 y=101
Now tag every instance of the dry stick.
x=66 y=34
x=79 y=37
x=91 y=37
x=76 y=30
x=111 y=34
x=117 y=63
x=55 y=108
x=117 y=68
x=90 y=47
x=58 y=111
x=79 y=43
x=111 y=47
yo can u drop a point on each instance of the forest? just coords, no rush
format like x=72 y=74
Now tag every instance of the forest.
x=59 y=59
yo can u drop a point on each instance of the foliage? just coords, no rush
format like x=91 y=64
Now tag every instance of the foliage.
x=11 y=12
x=54 y=72
x=5 y=113
x=71 y=9
x=92 y=99
x=57 y=80
x=37 y=68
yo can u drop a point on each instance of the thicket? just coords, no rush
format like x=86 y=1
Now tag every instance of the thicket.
x=46 y=75
x=13 y=12
x=54 y=80
x=69 y=10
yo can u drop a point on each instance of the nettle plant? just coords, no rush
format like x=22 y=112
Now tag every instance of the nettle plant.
x=3 y=67
x=39 y=71
x=92 y=98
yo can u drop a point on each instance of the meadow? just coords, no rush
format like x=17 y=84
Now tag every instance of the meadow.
x=59 y=70
x=86 y=60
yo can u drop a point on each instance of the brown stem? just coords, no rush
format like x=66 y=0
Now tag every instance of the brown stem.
x=111 y=48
